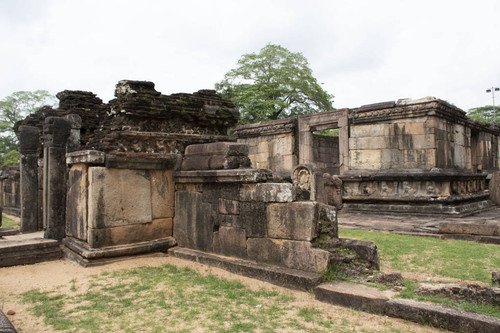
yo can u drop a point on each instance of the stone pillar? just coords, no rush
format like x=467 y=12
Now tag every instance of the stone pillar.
x=56 y=132
x=29 y=140
x=75 y=122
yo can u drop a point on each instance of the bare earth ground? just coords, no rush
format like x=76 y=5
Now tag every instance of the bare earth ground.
x=62 y=274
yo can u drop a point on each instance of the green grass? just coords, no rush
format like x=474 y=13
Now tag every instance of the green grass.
x=430 y=256
x=8 y=222
x=166 y=298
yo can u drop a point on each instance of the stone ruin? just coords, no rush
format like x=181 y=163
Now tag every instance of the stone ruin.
x=146 y=172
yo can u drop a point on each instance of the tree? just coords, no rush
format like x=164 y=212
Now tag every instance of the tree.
x=486 y=114
x=273 y=84
x=14 y=108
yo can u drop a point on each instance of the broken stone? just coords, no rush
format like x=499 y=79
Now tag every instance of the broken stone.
x=268 y=192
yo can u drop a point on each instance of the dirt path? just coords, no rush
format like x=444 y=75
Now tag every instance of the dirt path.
x=62 y=275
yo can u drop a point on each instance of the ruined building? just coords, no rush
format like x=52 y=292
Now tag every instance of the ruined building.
x=147 y=171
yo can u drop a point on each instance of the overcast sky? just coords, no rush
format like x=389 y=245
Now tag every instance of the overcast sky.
x=362 y=51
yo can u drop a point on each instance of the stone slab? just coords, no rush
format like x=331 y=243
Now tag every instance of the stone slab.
x=77 y=200
x=168 y=161
x=223 y=176
x=93 y=157
x=162 y=193
x=469 y=228
x=352 y=295
x=118 y=197
x=8 y=231
x=5 y=324
x=230 y=241
x=295 y=220
x=28 y=251
x=281 y=276
x=72 y=256
x=442 y=317
x=128 y=234
x=494 y=188
x=84 y=250
x=268 y=192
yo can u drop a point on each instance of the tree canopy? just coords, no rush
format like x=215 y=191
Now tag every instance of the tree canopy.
x=12 y=109
x=272 y=84
x=486 y=114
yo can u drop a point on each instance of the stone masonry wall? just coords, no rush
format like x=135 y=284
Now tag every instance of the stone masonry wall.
x=10 y=195
x=271 y=145
x=326 y=153
x=236 y=213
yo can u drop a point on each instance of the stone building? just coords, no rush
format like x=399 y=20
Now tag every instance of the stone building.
x=411 y=156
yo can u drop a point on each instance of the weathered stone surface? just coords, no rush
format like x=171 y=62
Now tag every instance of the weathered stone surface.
x=268 y=192
x=295 y=220
x=132 y=233
x=28 y=251
x=77 y=197
x=365 y=250
x=93 y=157
x=291 y=254
x=327 y=221
x=29 y=191
x=162 y=193
x=29 y=139
x=143 y=161
x=353 y=295
x=253 y=218
x=469 y=228
x=472 y=293
x=440 y=316
x=118 y=197
x=281 y=276
x=229 y=207
x=5 y=324
x=494 y=188
x=495 y=278
x=223 y=176
x=230 y=241
x=193 y=226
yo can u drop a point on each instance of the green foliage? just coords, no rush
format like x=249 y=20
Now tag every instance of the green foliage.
x=10 y=158
x=486 y=114
x=14 y=108
x=273 y=84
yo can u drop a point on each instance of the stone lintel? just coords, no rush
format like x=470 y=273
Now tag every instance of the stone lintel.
x=93 y=157
x=143 y=161
x=224 y=176
x=272 y=127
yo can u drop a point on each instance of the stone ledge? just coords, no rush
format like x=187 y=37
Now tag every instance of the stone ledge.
x=224 y=176
x=8 y=231
x=286 y=277
x=356 y=296
x=94 y=157
x=84 y=251
x=442 y=317
x=143 y=161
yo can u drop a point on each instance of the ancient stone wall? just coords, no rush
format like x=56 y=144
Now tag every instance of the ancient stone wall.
x=326 y=153
x=10 y=190
x=271 y=145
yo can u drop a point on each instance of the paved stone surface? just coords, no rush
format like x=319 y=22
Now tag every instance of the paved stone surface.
x=411 y=224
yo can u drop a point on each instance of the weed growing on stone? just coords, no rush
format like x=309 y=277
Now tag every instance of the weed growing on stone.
x=429 y=256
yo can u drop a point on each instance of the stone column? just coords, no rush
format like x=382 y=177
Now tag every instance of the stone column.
x=75 y=122
x=29 y=140
x=56 y=132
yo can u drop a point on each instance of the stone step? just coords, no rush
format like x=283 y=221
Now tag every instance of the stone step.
x=353 y=295
x=285 y=277
x=28 y=251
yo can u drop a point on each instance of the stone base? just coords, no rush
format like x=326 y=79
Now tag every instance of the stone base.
x=28 y=251
x=458 y=209
x=81 y=253
x=286 y=277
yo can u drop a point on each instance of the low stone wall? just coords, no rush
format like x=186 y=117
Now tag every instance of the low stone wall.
x=238 y=213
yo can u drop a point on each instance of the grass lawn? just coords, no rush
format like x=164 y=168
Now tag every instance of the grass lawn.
x=431 y=256
x=170 y=299
x=8 y=222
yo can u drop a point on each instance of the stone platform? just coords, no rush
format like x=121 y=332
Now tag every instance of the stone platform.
x=27 y=249
x=481 y=227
